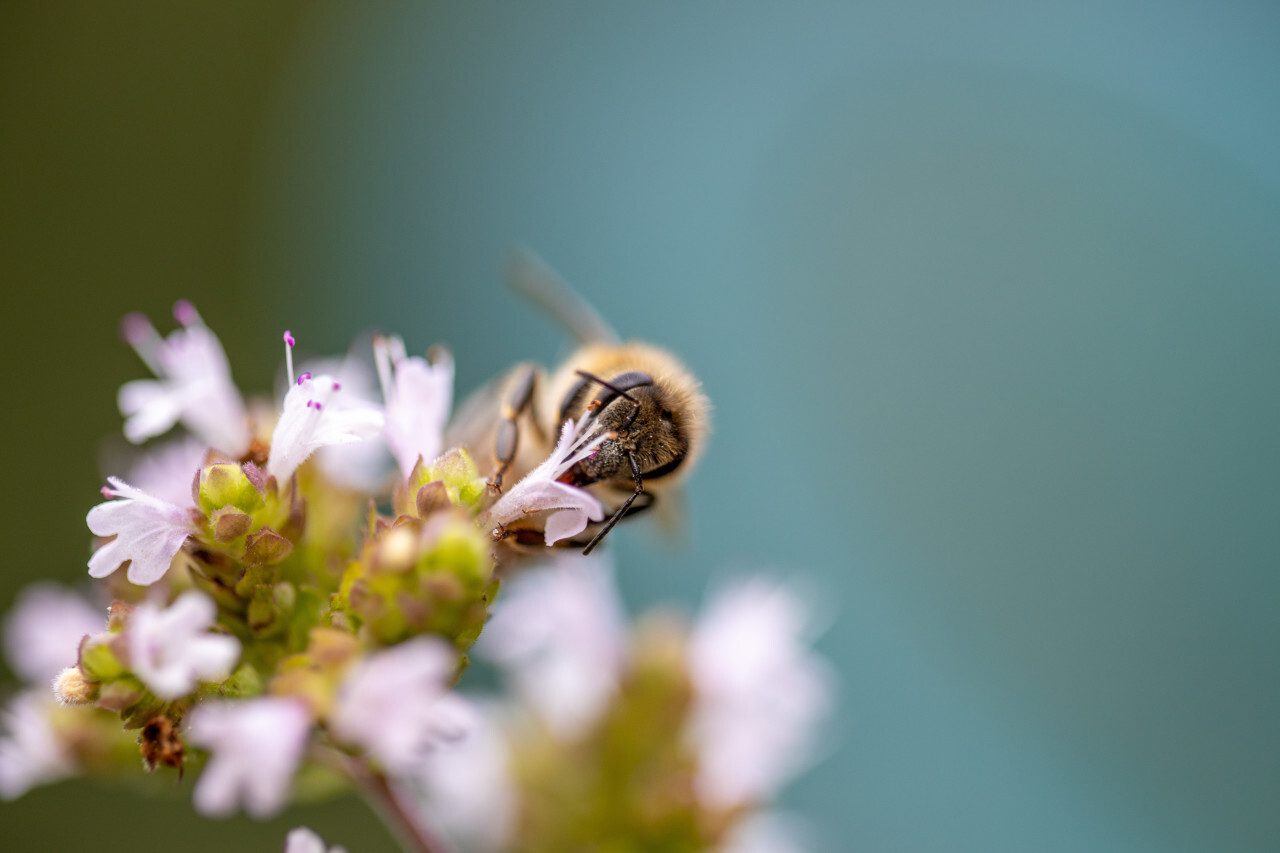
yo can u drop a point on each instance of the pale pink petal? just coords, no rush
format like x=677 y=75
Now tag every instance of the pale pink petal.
x=468 y=788
x=172 y=650
x=560 y=635
x=255 y=746
x=42 y=632
x=312 y=418
x=149 y=532
x=760 y=693
x=193 y=385
x=539 y=490
x=31 y=753
x=397 y=704
x=306 y=840
x=419 y=396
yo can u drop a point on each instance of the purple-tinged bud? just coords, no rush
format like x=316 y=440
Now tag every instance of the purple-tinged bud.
x=185 y=313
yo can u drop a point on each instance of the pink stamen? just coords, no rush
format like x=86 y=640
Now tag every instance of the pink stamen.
x=337 y=386
x=185 y=313
x=288 y=338
x=303 y=378
x=106 y=492
x=134 y=328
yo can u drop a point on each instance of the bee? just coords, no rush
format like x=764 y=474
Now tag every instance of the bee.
x=652 y=408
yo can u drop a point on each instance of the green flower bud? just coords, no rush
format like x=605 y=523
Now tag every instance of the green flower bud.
x=98 y=658
x=225 y=484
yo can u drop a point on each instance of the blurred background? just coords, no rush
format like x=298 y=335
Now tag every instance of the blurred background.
x=986 y=300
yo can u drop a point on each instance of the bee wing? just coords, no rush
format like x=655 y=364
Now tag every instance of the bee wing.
x=531 y=277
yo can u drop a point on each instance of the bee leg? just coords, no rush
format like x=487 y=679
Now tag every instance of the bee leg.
x=622 y=510
x=508 y=438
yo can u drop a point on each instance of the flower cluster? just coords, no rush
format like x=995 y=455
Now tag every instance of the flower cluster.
x=299 y=587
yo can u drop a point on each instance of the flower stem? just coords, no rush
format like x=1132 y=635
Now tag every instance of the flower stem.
x=405 y=821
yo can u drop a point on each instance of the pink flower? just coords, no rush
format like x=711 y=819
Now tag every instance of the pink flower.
x=468 y=789
x=31 y=753
x=539 y=491
x=419 y=395
x=193 y=385
x=172 y=650
x=148 y=533
x=166 y=470
x=760 y=693
x=43 y=631
x=397 y=704
x=560 y=635
x=315 y=415
x=255 y=746
x=305 y=840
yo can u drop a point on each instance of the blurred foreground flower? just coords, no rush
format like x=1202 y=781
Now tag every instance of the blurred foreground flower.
x=286 y=627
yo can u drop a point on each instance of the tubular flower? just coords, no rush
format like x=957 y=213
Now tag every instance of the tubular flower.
x=44 y=629
x=419 y=395
x=149 y=533
x=193 y=385
x=540 y=491
x=397 y=704
x=560 y=635
x=31 y=752
x=255 y=748
x=760 y=693
x=315 y=415
x=171 y=650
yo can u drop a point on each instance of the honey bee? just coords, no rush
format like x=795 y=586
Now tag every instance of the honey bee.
x=651 y=407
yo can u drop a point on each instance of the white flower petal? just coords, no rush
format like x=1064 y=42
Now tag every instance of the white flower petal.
x=31 y=753
x=419 y=396
x=539 y=490
x=306 y=840
x=469 y=790
x=149 y=532
x=315 y=416
x=193 y=385
x=560 y=635
x=43 y=630
x=172 y=651
x=760 y=693
x=255 y=746
x=397 y=704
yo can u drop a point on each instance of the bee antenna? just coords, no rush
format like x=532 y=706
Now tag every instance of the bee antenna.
x=616 y=390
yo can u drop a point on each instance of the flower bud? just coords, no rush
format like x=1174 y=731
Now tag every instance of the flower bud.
x=225 y=484
x=72 y=688
x=99 y=660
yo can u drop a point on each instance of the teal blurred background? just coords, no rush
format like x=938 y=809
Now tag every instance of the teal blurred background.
x=986 y=300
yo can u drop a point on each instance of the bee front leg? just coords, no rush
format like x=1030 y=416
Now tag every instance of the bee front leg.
x=508 y=437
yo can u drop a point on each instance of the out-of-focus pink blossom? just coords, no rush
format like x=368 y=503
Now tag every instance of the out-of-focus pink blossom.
x=31 y=753
x=760 y=693
x=171 y=650
x=193 y=385
x=42 y=632
x=397 y=704
x=255 y=746
x=419 y=396
x=560 y=635
x=306 y=840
